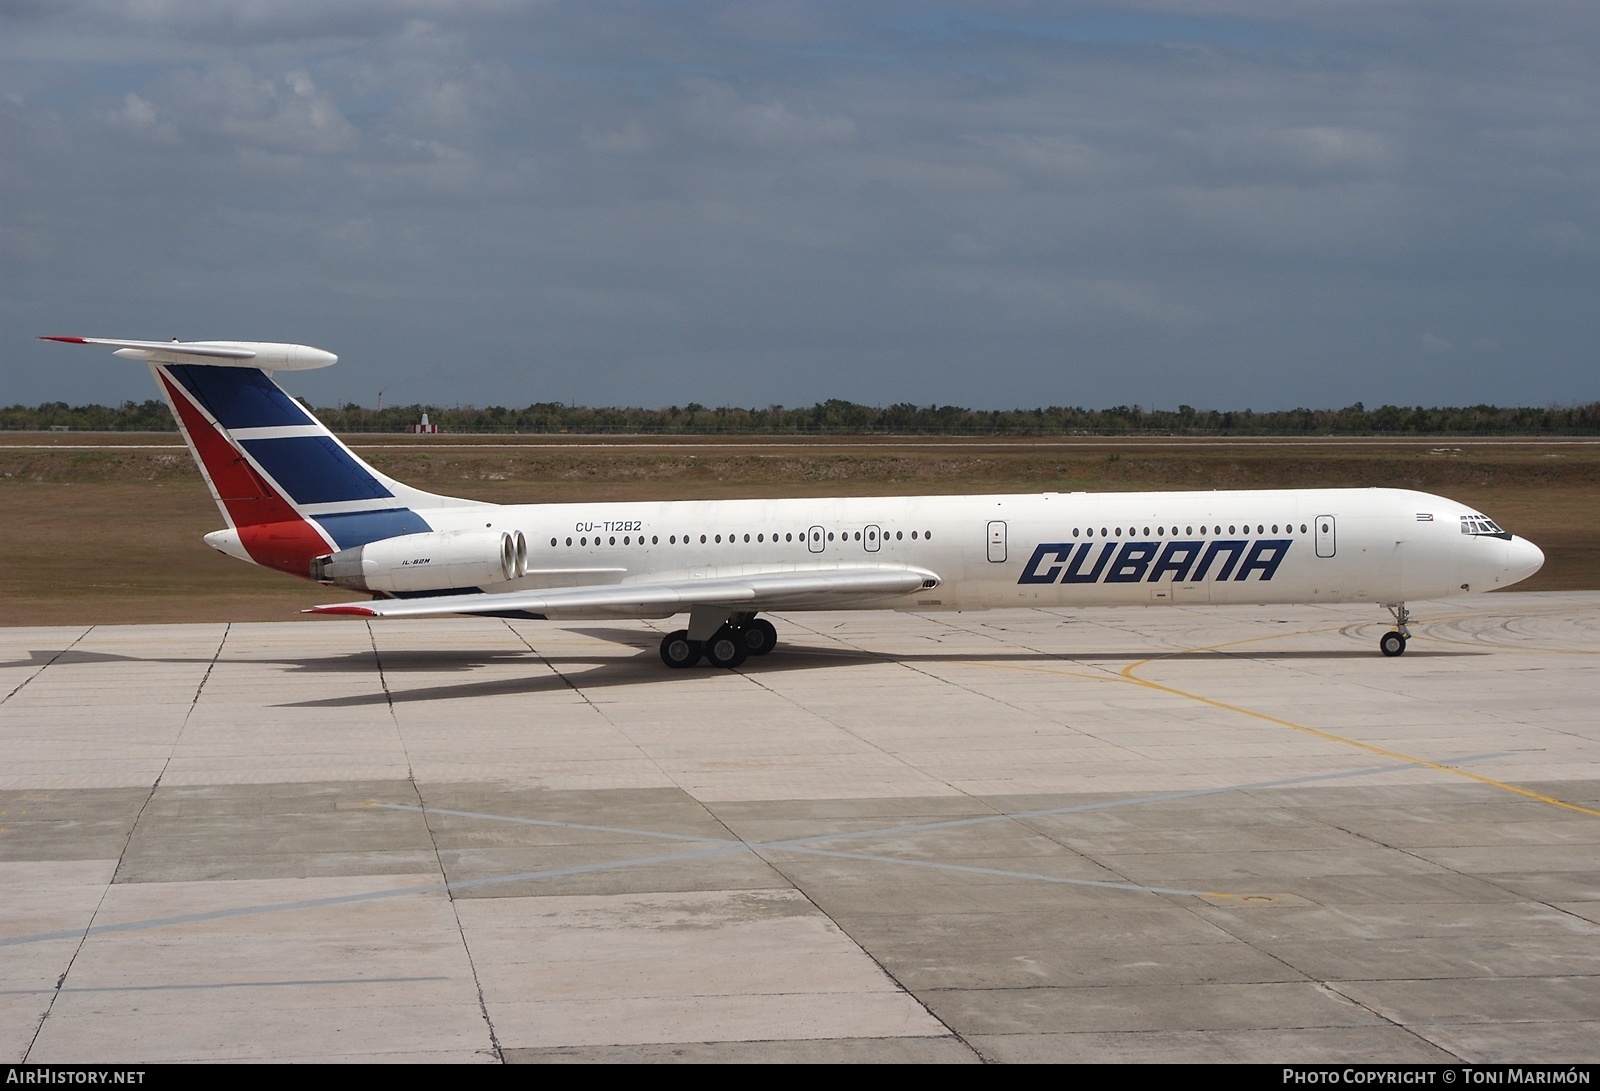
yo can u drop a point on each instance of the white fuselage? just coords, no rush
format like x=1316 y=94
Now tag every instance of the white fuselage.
x=1049 y=549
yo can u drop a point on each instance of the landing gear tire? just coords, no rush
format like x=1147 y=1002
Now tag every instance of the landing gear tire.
x=727 y=648
x=759 y=636
x=1394 y=643
x=678 y=651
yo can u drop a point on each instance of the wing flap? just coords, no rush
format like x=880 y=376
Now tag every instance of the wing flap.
x=760 y=591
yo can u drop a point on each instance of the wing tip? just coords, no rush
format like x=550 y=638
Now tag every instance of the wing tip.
x=70 y=340
x=347 y=611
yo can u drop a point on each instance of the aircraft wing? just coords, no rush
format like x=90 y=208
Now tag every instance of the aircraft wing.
x=812 y=588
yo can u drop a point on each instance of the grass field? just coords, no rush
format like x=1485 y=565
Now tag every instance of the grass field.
x=107 y=528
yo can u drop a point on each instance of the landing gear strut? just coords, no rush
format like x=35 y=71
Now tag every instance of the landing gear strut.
x=1394 y=643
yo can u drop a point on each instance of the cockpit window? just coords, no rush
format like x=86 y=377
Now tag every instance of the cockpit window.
x=1478 y=524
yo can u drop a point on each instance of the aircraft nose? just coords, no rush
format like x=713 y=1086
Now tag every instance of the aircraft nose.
x=1523 y=559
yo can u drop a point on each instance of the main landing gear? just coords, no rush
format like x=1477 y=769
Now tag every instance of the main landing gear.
x=1394 y=643
x=730 y=645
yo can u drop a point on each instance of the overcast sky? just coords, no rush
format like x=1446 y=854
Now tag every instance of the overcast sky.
x=1224 y=203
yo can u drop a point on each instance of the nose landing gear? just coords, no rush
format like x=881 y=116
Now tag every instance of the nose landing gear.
x=1394 y=643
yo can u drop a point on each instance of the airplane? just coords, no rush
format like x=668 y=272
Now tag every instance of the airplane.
x=297 y=499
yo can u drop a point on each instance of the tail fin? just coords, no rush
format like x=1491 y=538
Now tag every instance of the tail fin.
x=289 y=489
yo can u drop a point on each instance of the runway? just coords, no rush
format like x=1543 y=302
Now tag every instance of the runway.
x=1171 y=834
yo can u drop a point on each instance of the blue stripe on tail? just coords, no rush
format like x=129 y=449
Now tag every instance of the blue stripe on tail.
x=239 y=397
x=315 y=469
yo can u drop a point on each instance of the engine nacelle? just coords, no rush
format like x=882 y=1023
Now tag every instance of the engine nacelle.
x=437 y=561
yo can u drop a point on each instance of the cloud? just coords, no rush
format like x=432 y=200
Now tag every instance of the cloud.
x=1563 y=235
x=1230 y=202
x=235 y=107
x=717 y=111
x=137 y=117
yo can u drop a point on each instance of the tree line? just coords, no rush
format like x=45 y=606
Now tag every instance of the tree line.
x=837 y=417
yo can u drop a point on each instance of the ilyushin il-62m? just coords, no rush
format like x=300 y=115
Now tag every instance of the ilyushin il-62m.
x=296 y=499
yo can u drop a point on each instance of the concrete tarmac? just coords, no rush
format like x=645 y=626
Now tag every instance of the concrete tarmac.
x=1169 y=834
